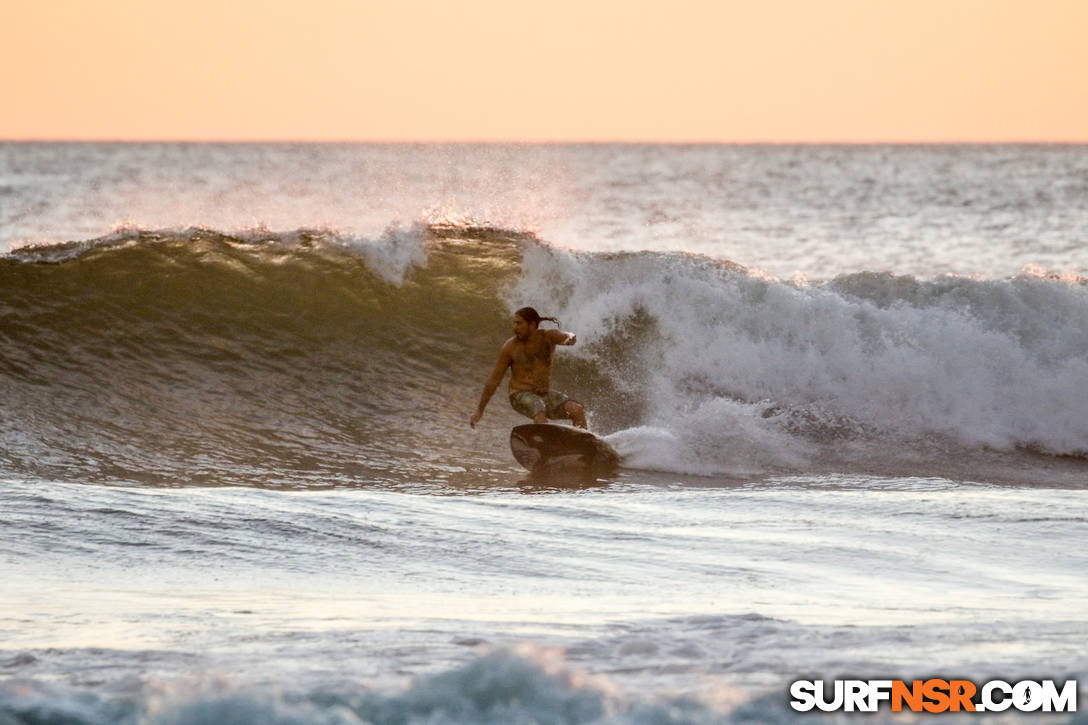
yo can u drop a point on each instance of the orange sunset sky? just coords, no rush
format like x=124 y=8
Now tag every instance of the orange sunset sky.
x=563 y=70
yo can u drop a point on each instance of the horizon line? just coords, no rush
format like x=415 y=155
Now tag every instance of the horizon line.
x=556 y=142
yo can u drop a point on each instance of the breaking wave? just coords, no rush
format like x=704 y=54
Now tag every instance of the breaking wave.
x=196 y=356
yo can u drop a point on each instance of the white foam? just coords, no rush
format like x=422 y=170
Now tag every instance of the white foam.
x=998 y=363
x=501 y=687
x=652 y=448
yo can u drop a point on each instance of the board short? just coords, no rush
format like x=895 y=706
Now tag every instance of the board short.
x=530 y=404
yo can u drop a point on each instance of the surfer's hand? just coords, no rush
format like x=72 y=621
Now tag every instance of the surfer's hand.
x=475 y=418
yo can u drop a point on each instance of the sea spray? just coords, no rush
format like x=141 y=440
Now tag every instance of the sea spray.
x=980 y=363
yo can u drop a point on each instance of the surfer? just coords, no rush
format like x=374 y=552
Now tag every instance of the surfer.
x=528 y=354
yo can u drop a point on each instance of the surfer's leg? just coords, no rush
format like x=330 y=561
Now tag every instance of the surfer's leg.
x=530 y=405
x=560 y=406
x=576 y=412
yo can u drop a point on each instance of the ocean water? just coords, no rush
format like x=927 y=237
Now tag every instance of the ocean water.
x=238 y=485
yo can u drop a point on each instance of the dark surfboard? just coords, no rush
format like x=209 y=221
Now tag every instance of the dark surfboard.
x=542 y=446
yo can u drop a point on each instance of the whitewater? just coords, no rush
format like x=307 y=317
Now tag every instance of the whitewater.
x=238 y=483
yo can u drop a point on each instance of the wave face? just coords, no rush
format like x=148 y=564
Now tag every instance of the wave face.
x=194 y=356
x=309 y=358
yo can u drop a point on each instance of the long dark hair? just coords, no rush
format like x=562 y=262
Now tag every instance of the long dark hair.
x=530 y=315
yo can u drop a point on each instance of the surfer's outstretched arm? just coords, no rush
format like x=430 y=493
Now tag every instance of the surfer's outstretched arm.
x=505 y=360
x=558 y=337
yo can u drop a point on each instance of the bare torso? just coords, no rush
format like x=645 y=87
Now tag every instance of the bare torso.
x=528 y=355
x=531 y=363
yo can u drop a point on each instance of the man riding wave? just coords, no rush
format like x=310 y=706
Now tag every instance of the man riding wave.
x=528 y=355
